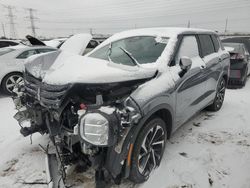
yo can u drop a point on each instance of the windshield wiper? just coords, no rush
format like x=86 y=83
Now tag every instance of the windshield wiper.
x=135 y=62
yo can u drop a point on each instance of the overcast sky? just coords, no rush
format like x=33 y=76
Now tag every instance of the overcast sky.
x=65 y=17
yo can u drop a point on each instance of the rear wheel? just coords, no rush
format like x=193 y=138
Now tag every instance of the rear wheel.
x=245 y=78
x=148 y=150
x=219 y=97
x=11 y=81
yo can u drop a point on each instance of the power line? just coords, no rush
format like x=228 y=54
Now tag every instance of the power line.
x=13 y=33
x=4 y=34
x=226 y=25
x=32 y=19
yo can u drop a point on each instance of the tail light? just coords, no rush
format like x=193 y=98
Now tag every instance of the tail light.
x=237 y=56
x=235 y=74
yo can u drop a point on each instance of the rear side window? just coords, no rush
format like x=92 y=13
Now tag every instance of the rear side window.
x=26 y=54
x=7 y=43
x=207 y=46
x=188 y=47
x=216 y=43
x=44 y=50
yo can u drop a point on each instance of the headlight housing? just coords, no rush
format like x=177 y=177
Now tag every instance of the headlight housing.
x=97 y=128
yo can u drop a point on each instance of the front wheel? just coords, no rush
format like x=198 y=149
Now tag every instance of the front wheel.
x=148 y=150
x=219 y=97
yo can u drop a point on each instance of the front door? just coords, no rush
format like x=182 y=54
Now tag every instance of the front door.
x=191 y=87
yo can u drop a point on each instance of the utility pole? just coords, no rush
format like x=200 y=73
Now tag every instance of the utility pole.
x=4 y=34
x=32 y=19
x=91 y=31
x=11 y=16
x=226 y=25
x=188 y=25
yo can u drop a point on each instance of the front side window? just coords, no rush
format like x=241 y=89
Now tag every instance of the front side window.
x=207 y=45
x=26 y=54
x=141 y=49
x=188 y=48
x=216 y=43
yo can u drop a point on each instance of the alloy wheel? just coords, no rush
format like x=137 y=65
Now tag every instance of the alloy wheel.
x=13 y=82
x=151 y=150
x=220 y=94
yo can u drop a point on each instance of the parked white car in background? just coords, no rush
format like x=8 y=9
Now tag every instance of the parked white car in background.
x=12 y=61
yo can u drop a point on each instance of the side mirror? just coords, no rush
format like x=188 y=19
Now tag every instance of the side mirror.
x=185 y=63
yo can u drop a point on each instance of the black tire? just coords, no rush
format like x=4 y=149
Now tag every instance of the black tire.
x=153 y=147
x=8 y=79
x=245 y=78
x=219 y=97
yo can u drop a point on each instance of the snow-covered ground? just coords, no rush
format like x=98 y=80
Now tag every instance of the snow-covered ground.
x=211 y=150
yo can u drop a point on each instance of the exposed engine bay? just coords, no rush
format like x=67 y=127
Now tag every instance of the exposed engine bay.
x=86 y=122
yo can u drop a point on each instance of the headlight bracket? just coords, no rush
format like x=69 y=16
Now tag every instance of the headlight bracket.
x=113 y=123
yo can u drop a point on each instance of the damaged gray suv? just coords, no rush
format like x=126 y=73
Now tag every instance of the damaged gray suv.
x=114 y=108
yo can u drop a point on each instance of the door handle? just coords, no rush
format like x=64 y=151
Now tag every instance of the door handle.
x=202 y=67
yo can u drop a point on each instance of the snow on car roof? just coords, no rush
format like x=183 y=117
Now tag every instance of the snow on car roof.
x=158 y=31
x=169 y=32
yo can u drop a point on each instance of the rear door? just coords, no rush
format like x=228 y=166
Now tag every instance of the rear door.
x=190 y=87
x=210 y=47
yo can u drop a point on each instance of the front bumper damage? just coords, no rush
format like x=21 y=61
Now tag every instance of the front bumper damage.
x=110 y=158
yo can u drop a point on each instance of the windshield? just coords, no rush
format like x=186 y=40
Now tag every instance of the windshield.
x=5 y=50
x=236 y=47
x=142 y=49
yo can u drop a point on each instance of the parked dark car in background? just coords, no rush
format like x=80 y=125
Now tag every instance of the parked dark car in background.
x=239 y=63
x=6 y=43
x=243 y=40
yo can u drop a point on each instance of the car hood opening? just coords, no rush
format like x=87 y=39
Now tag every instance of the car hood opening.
x=34 y=41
